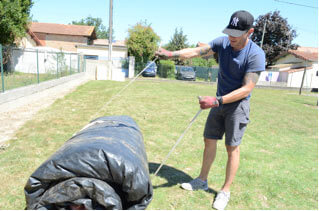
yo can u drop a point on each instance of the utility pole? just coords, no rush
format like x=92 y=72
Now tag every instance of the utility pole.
x=303 y=78
x=262 y=38
x=110 y=36
x=110 y=29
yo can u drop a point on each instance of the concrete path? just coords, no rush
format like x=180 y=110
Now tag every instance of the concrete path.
x=14 y=113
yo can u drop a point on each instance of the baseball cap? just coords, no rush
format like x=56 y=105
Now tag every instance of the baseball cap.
x=240 y=22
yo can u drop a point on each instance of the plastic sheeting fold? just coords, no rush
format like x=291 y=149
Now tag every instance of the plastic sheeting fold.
x=103 y=166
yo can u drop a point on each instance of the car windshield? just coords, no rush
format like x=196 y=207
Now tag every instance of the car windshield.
x=151 y=66
x=187 y=70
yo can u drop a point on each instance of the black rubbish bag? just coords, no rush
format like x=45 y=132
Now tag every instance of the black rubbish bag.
x=103 y=166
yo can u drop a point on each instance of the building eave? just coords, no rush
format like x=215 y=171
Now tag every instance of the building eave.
x=101 y=47
x=36 y=39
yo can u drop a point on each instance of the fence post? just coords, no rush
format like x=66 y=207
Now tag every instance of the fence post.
x=70 y=64
x=303 y=78
x=78 y=63
x=57 y=65
x=1 y=61
x=38 y=66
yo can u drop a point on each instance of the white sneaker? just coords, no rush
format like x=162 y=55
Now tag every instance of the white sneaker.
x=195 y=184
x=221 y=200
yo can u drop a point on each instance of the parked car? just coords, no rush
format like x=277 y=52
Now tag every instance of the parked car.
x=150 y=70
x=185 y=73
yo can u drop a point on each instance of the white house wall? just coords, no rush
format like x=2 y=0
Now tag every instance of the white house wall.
x=310 y=81
x=27 y=61
x=272 y=78
x=294 y=78
x=27 y=42
x=103 y=53
x=119 y=56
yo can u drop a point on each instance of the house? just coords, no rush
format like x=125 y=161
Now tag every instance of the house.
x=72 y=40
x=60 y=36
x=100 y=50
x=97 y=59
x=50 y=48
x=289 y=69
x=30 y=41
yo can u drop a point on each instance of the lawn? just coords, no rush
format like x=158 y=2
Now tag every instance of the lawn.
x=18 y=79
x=279 y=152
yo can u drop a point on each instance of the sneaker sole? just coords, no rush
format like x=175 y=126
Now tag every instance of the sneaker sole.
x=190 y=189
x=218 y=208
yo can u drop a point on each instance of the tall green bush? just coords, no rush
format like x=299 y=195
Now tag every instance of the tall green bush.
x=166 y=69
x=201 y=62
x=142 y=44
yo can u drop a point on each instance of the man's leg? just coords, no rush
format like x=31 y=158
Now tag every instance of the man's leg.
x=223 y=196
x=232 y=166
x=214 y=129
x=208 y=157
x=236 y=121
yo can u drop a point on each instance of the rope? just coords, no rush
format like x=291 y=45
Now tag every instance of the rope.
x=116 y=95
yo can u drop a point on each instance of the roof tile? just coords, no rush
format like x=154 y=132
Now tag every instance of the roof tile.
x=306 y=53
x=53 y=28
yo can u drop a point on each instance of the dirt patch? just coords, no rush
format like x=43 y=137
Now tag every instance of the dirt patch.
x=15 y=113
x=311 y=106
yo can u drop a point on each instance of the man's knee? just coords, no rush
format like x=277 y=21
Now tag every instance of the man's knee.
x=210 y=142
x=232 y=150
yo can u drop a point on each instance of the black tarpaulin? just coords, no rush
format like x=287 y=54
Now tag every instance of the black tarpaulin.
x=104 y=166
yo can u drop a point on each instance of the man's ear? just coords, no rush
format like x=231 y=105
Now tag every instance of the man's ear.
x=250 y=31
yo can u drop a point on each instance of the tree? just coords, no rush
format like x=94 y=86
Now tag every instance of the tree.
x=142 y=43
x=100 y=29
x=14 y=19
x=278 y=35
x=178 y=42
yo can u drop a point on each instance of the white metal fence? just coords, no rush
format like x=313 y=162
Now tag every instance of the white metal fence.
x=26 y=66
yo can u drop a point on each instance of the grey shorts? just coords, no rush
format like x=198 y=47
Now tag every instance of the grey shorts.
x=231 y=119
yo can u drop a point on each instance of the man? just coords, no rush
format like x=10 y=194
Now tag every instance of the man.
x=240 y=63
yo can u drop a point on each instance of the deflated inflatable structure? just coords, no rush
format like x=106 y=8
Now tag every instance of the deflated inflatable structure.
x=103 y=166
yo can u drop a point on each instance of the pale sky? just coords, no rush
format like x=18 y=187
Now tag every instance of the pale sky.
x=200 y=20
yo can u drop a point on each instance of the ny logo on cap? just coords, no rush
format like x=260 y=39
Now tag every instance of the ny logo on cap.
x=234 y=21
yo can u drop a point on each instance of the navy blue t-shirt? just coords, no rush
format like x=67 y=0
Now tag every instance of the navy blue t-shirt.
x=233 y=65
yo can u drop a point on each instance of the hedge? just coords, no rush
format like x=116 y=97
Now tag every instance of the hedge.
x=166 y=69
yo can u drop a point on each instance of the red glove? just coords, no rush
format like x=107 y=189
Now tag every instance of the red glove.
x=163 y=54
x=208 y=102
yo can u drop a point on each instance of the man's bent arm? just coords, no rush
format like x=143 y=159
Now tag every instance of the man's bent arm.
x=249 y=83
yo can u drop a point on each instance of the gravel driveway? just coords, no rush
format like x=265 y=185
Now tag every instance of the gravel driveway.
x=15 y=113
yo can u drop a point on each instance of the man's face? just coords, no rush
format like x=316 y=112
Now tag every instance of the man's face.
x=238 y=43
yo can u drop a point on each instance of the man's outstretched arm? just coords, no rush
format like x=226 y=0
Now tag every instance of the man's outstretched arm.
x=186 y=53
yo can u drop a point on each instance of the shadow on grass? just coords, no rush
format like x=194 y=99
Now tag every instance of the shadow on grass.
x=172 y=175
x=314 y=104
x=308 y=104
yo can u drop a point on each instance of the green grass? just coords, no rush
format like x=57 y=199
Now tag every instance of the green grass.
x=279 y=152
x=18 y=79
